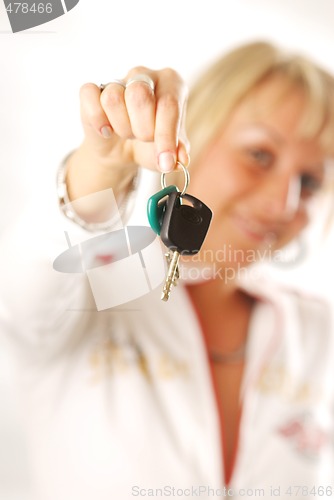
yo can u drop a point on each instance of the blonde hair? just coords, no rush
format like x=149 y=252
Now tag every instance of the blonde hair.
x=223 y=86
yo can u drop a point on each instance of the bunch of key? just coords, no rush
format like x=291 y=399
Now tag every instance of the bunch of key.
x=182 y=221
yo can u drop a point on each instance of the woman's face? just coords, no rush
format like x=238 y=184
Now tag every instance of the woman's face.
x=258 y=176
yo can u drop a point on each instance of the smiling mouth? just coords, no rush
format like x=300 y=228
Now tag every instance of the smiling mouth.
x=255 y=230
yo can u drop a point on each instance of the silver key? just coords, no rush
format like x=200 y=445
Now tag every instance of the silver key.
x=172 y=274
x=169 y=256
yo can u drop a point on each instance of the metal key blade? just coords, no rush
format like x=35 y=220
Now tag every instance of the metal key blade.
x=177 y=273
x=172 y=275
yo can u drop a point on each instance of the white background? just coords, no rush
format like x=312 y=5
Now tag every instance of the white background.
x=42 y=70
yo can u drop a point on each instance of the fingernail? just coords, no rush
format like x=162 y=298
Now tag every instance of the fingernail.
x=106 y=131
x=167 y=161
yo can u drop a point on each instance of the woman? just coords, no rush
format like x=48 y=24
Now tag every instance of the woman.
x=225 y=390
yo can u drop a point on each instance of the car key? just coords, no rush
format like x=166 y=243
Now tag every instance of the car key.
x=183 y=231
x=156 y=207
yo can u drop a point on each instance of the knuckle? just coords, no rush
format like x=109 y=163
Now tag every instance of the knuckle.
x=137 y=70
x=144 y=136
x=169 y=101
x=94 y=117
x=139 y=95
x=166 y=139
x=170 y=73
x=128 y=135
x=111 y=98
x=87 y=89
x=123 y=130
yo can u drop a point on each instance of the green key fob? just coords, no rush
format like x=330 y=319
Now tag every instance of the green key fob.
x=156 y=207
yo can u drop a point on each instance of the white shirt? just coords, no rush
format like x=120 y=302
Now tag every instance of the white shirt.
x=119 y=403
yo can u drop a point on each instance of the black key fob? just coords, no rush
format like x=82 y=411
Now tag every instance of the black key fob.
x=184 y=226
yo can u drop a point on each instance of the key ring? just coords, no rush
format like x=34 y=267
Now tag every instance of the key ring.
x=186 y=176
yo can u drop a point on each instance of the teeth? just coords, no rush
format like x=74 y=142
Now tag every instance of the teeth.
x=258 y=229
x=254 y=227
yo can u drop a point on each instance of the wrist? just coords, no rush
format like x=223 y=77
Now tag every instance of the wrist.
x=96 y=207
x=87 y=173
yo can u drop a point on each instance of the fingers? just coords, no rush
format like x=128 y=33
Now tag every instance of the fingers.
x=140 y=102
x=113 y=103
x=134 y=111
x=170 y=97
x=93 y=117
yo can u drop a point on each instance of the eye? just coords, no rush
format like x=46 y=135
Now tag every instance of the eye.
x=310 y=184
x=261 y=157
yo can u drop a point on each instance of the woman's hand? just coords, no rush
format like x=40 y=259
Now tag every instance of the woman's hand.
x=127 y=127
x=144 y=126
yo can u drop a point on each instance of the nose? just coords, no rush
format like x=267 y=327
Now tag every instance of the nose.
x=281 y=197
